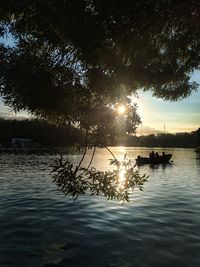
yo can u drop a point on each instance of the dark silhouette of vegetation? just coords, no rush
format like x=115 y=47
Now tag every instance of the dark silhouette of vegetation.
x=40 y=132
x=197 y=138
x=160 y=140
x=75 y=61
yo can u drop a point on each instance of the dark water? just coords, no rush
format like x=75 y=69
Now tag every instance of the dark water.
x=160 y=227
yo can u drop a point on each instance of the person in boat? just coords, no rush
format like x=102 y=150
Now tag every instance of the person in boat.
x=157 y=155
x=152 y=155
x=163 y=156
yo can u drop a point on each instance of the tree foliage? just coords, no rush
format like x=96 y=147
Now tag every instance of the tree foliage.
x=116 y=184
x=75 y=61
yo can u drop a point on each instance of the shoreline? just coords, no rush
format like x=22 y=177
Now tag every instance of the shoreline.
x=56 y=150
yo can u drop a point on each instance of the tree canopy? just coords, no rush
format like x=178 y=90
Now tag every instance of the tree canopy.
x=75 y=61
x=87 y=54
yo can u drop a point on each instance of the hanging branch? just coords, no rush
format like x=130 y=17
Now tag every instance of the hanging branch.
x=91 y=158
x=86 y=169
x=109 y=151
x=96 y=182
x=84 y=153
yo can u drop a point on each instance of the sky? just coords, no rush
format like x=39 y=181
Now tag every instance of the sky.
x=157 y=115
x=160 y=116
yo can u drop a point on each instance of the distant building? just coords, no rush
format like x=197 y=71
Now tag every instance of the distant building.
x=21 y=142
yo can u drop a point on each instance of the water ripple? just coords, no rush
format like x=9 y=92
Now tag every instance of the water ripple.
x=160 y=227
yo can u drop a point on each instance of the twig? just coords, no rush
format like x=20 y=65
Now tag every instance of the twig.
x=83 y=156
x=109 y=151
x=91 y=158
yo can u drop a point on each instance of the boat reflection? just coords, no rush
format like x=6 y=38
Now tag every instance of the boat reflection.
x=156 y=166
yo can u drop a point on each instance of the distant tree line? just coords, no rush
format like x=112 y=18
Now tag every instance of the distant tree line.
x=40 y=132
x=50 y=135
x=163 y=140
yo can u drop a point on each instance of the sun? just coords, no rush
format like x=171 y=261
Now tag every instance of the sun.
x=121 y=109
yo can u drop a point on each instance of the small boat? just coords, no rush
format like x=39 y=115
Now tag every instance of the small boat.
x=163 y=159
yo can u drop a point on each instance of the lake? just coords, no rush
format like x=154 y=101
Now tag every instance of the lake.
x=159 y=227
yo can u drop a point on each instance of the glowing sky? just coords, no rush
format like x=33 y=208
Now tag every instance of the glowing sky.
x=180 y=116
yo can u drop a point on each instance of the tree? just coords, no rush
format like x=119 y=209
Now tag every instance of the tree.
x=75 y=61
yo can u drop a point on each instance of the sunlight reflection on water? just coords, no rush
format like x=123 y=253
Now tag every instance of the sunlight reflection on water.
x=122 y=178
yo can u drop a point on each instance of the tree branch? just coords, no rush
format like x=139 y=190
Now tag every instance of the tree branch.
x=91 y=158
x=83 y=156
x=109 y=151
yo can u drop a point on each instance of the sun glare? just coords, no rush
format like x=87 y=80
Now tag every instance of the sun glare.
x=121 y=109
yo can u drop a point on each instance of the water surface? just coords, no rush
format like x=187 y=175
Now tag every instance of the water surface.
x=40 y=227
